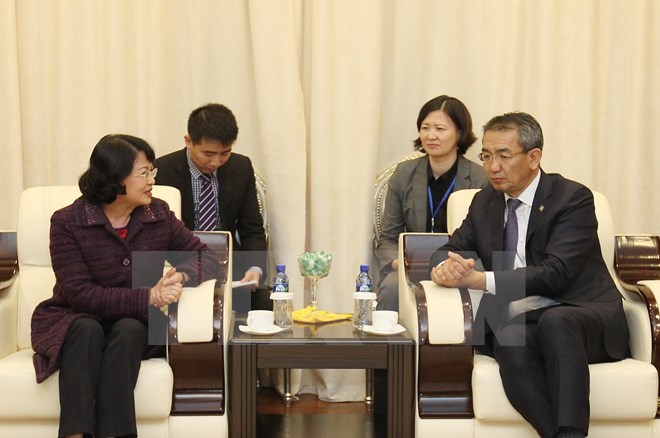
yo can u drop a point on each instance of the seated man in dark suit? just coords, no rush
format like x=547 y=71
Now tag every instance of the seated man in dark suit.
x=218 y=192
x=550 y=307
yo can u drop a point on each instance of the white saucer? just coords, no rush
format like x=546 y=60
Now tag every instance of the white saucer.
x=395 y=331
x=270 y=331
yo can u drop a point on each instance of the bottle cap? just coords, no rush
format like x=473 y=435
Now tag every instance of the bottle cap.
x=280 y=268
x=364 y=267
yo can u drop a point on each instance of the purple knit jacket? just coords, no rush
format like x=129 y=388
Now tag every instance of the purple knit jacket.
x=95 y=275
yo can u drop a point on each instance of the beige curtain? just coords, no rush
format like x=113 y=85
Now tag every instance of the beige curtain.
x=326 y=93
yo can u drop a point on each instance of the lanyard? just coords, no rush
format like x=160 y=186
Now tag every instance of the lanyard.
x=442 y=201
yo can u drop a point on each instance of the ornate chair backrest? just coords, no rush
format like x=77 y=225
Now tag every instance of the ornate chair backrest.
x=263 y=200
x=380 y=193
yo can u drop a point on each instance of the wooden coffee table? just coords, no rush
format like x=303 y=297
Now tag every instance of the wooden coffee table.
x=331 y=346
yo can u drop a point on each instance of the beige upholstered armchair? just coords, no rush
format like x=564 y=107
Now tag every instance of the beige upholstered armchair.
x=182 y=395
x=460 y=394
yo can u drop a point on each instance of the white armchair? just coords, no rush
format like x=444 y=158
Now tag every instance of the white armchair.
x=460 y=394
x=183 y=395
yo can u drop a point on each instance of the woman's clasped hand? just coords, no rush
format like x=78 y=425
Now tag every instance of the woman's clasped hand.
x=168 y=289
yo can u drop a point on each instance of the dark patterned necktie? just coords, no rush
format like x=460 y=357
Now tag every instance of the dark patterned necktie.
x=207 y=215
x=511 y=233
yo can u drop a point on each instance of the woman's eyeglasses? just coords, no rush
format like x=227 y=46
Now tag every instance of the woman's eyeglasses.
x=148 y=174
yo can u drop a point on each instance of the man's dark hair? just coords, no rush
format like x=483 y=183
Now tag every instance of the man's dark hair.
x=530 y=134
x=212 y=122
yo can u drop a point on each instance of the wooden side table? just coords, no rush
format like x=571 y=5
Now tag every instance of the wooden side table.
x=333 y=346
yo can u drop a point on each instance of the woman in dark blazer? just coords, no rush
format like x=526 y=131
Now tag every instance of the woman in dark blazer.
x=417 y=192
x=95 y=327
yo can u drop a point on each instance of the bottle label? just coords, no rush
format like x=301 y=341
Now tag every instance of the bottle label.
x=281 y=288
x=364 y=287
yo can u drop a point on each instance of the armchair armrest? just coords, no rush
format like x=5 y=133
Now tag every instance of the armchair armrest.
x=196 y=352
x=8 y=258
x=637 y=266
x=650 y=291
x=445 y=362
x=417 y=251
x=445 y=357
x=194 y=313
x=8 y=294
x=636 y=258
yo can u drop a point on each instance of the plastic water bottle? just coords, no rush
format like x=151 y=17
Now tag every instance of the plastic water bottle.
x=363 y=281
x=282 y=299
x=281 y=280
x=363 y=309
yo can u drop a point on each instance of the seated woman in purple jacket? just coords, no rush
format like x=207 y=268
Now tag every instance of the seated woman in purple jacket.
x=96 y=326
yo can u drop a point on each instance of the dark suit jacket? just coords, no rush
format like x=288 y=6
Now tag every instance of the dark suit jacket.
x=563 y=254
x=239 y=207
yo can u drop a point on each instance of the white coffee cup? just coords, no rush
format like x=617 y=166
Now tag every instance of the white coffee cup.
x=260 y=319
x=384 y=320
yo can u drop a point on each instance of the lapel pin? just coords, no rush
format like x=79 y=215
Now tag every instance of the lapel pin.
x=541 y=208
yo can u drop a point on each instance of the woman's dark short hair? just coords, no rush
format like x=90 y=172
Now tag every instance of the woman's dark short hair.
x=110 y=164
x=212 y=122
x=457 y=112
x=530 y=134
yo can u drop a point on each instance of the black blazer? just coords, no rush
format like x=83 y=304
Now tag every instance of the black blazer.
x=237 y=194
x=563 y=254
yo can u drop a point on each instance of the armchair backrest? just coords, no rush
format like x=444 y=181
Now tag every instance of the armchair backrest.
x=36 y=276
x=458 y=205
